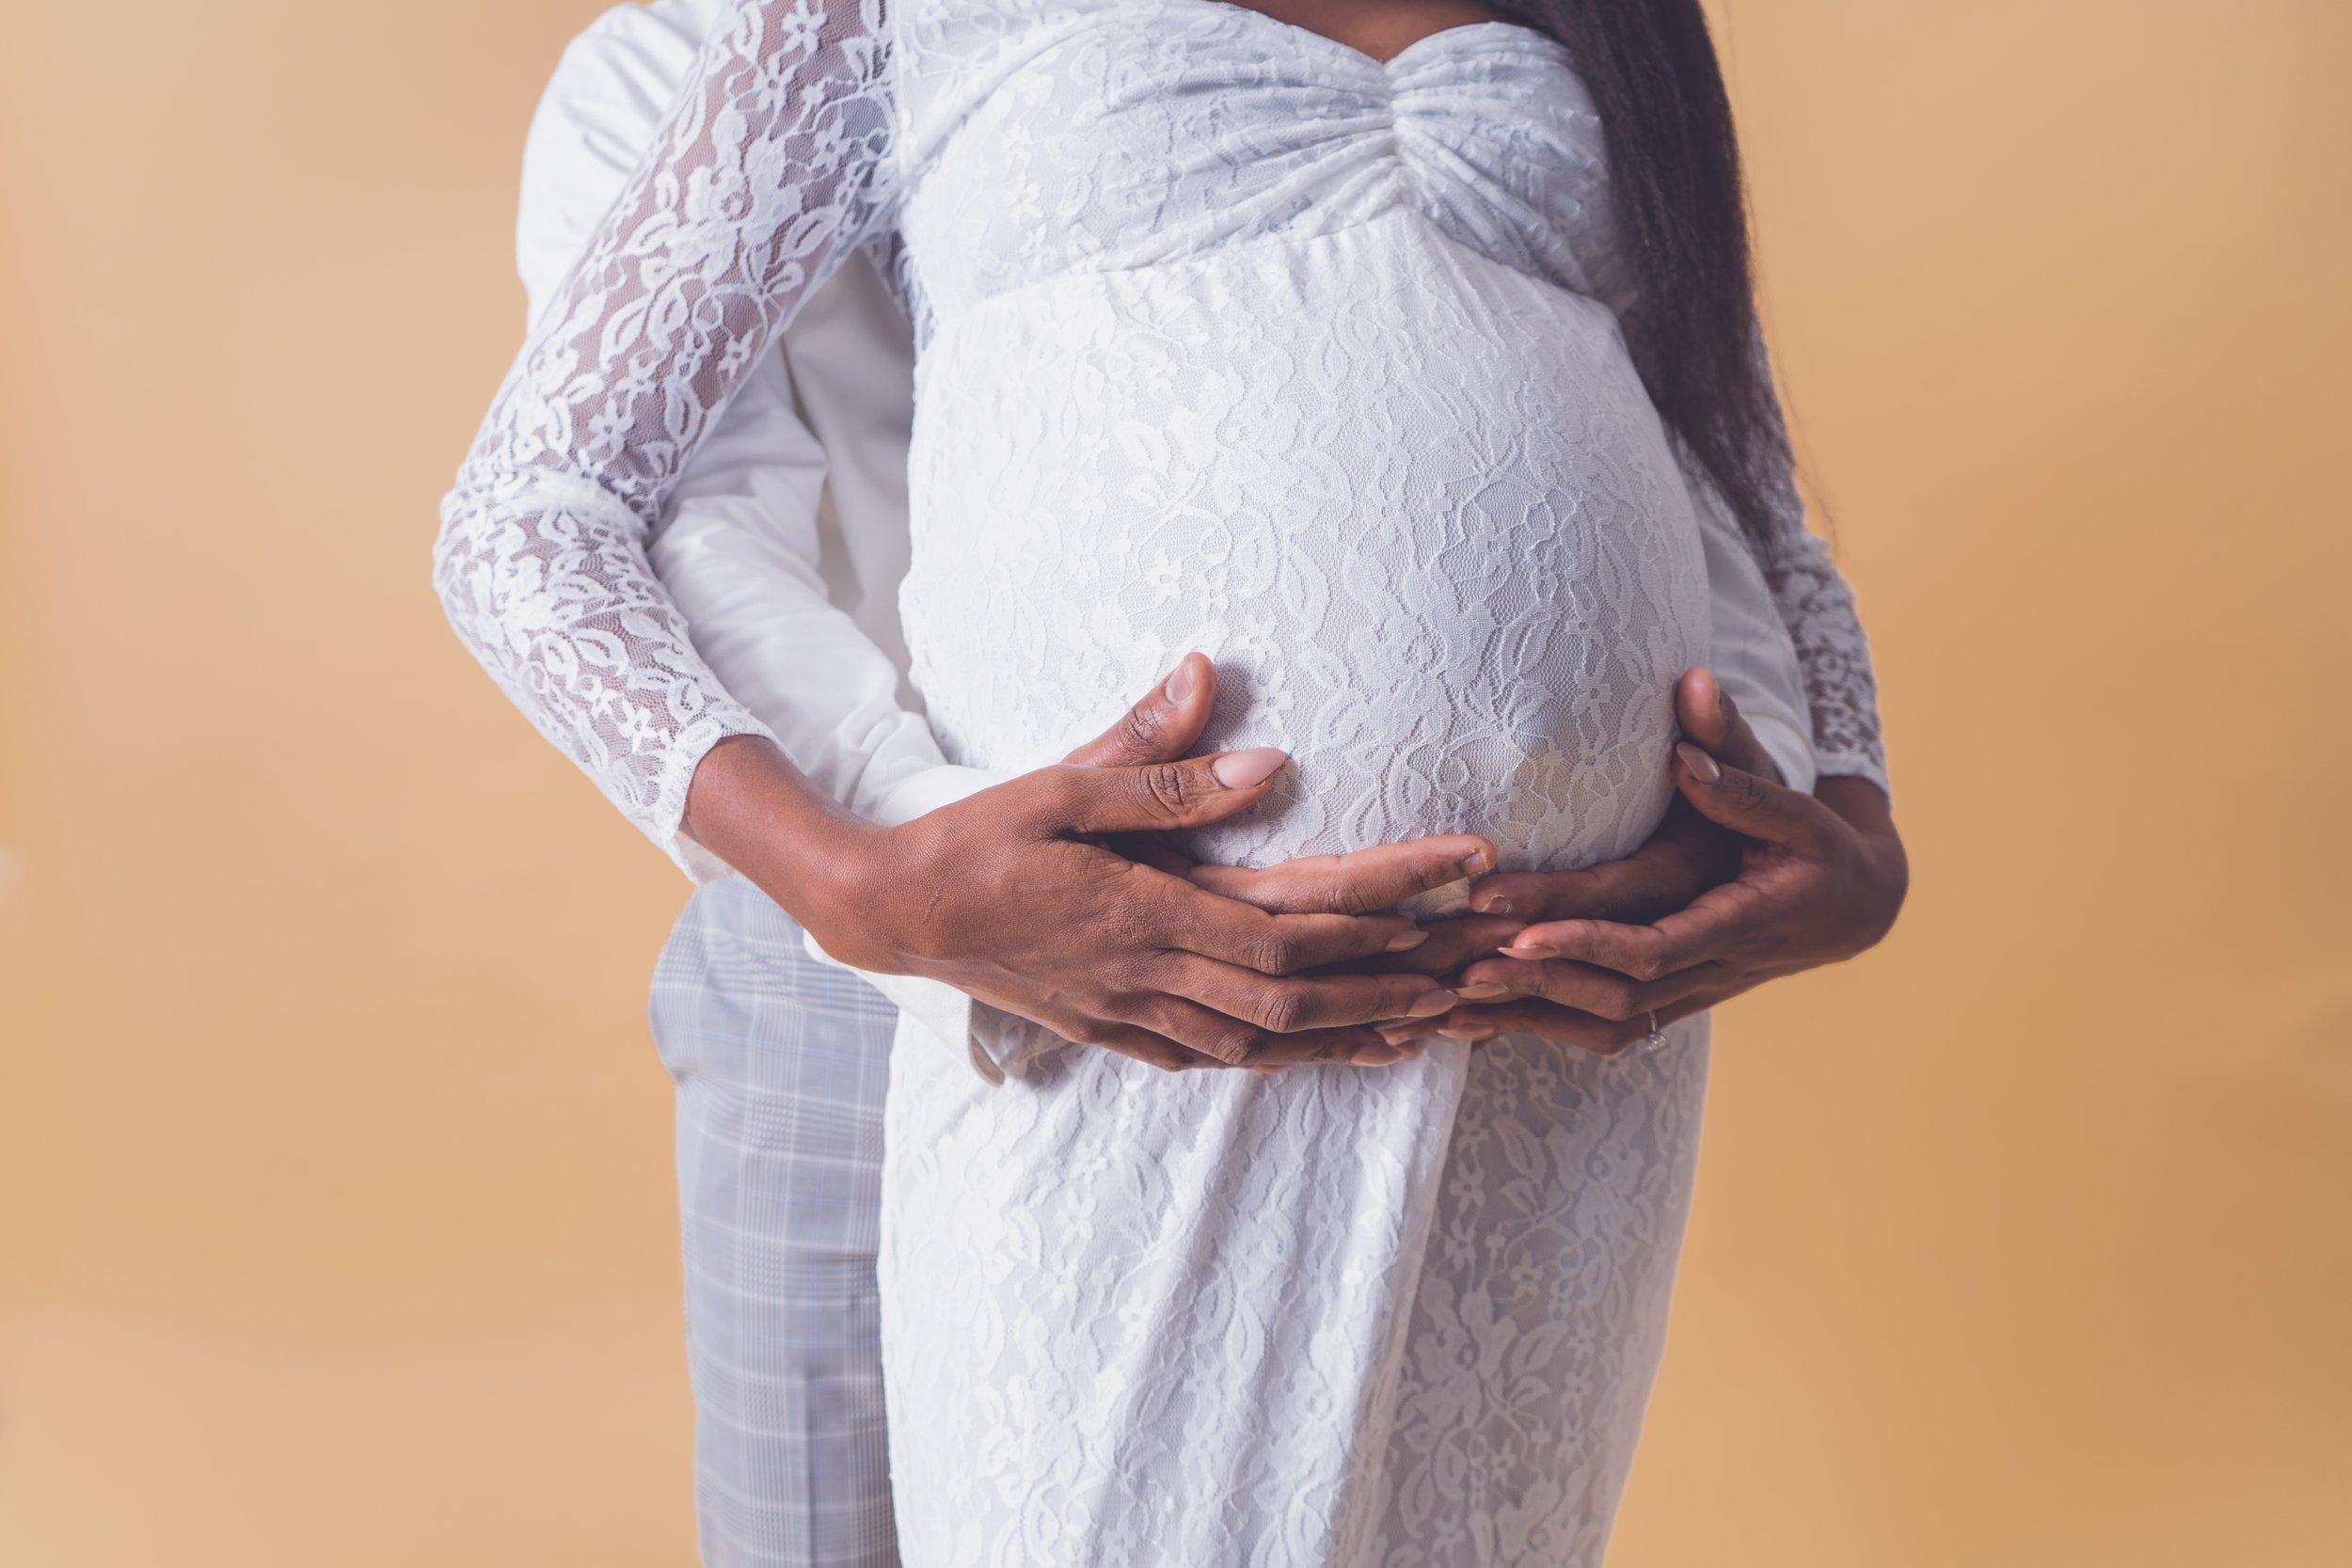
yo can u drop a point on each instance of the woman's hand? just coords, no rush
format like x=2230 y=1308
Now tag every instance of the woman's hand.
x=1606 y=951
x=1014 y=897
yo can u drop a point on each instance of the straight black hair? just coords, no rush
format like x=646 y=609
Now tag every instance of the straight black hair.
x=1681 y=210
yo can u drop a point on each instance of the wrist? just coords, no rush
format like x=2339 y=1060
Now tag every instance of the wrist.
x=749 y=805
x=1865 y=809
x=1861 y=804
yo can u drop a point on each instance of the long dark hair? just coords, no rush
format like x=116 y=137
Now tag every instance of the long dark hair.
x=1682 y=209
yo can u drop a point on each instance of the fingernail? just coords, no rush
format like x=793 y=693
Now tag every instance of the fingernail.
x=1486 y=990
x=1478 y=865
x=1531 y=954
x=1430 y=1005
x=1250 y=769
x=1698 y=762
x=1376 y=1055
x=1493 y=906
x=1468 y=1031
x=1179 y=685
x=1399 y=1033
x=1404 y=942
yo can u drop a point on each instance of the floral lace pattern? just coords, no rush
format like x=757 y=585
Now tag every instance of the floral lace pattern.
x=1818 y=607
x=772 y=168
x=1230 y=335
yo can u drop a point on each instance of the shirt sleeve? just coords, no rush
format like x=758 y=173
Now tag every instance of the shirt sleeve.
x=769 y=169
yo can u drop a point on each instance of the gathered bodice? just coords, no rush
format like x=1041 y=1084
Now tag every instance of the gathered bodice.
x=1138 y=133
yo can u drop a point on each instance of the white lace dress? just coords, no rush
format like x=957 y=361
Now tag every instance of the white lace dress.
x=1230 y=338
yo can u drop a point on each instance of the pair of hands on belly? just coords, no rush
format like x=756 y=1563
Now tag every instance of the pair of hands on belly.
x=1053 y=896
x=1746 y=880
x=1056 y=897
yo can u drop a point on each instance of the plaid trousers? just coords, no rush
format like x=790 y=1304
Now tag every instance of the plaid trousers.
x=780 y=1064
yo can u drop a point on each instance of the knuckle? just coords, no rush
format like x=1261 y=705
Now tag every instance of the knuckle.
x=1156 y=1014
x=1282 y=1011
x=1142 y=729
x=1276 y=952
x=1613 y=1000
x=1235 y=1046
x=1169 y=786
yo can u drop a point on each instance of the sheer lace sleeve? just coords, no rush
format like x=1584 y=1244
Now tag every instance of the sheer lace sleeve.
x=772 y=168
x=1818 y=608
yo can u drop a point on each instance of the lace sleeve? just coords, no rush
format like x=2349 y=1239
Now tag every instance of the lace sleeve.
x=772 y=168
x=1818 y=607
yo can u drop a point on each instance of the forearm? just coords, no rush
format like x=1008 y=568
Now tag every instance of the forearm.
x=541 y=561
x=749 y=805
x=738 y=548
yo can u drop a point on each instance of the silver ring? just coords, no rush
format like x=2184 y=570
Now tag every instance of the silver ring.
x=1653 y=1041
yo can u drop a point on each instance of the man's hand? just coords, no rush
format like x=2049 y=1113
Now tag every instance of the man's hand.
x=1610 y=951
x=1014 y=897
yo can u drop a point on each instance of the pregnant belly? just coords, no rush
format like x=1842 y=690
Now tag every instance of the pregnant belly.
x=1414 y=505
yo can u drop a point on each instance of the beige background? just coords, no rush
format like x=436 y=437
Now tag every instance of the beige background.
x=333 y=1155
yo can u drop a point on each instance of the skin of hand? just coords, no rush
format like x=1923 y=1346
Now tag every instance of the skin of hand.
x=1015 y=897
x=1747 y=881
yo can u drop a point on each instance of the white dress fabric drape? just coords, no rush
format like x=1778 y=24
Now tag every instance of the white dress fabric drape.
x=1232 y=338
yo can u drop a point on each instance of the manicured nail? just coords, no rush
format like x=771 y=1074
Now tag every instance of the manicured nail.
x=1478 y=865
x=1493 y=904
x=1179 y=685
x=1698 y=762
x=1486 y=990
x=1530 y=954
x=1376 y=1055
x=1248 y=769
x=1468 y=1031
x=1431 y=1003
x=1400 y=1034
x=1404 y=942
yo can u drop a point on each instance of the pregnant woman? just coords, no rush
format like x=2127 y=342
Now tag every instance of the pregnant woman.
x=1240 y=337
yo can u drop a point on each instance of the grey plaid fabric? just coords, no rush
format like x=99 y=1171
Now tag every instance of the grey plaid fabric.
x=779 y=1063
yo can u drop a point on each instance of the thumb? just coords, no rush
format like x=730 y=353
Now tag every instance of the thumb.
x=1163 y=726
x=1158 y=795
x=1710 y=719
x=1751 y=806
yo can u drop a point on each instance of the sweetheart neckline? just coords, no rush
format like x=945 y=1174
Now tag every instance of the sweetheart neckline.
x=1310 y=37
